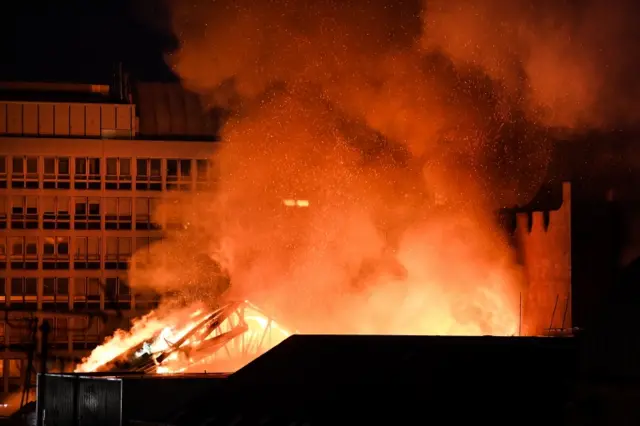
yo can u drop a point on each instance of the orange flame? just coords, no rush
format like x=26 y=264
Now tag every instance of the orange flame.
x=160 y=334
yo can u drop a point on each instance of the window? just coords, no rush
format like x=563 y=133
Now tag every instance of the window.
x=55 y=293
x=145 y=255
x=15 y=368
x=86 y=329
x=3 y=289
x=59 y=330
x=117 y=294
x=24 y=292
x=118 y=173
x=21 y=328
x=179 y=175
x=145 y=209
x=4 y=209
x=24 y=173
x=118 y=214
x=24 y=287
x=86 y=293
x=56 y=213
x=87 y=173
x=79 y=328
x=172 y=211
x=148 y=176
x=87 y=253
x=202 y=174
x=3 y=172
x=118 y=252
x=3 y=253
x=56 y=173
x=24 y=252
x=55 y=253
x=24 y=212
x=18 y=167
x=185 y=169
x=143 y=252
x=87 y=213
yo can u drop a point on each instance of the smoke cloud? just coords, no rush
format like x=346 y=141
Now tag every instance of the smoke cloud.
x=569 y=63
x=404 y=125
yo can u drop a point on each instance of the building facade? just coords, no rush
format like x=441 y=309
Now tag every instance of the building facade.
x=78 y=186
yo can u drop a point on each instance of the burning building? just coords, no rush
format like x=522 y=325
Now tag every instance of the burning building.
x=101 y=217
x=365 y=153
x=349 y=197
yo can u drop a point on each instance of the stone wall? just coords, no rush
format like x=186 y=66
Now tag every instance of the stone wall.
x=544 y=243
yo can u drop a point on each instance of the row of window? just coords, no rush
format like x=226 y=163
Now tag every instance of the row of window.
x=145 y=174
x=83 y=213
x=14 y=366
x=15 y=369
x=55 y=252
x=62 y=293
x=59 y=287
x=78 y=328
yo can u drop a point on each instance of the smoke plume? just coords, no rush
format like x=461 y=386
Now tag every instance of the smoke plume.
x=404 y=126
x=569 y=63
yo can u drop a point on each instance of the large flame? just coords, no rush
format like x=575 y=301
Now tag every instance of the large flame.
x=183 y=337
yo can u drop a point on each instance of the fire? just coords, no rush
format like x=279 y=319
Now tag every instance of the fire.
x=363 y=158
x=142 y=329
x=190 y=340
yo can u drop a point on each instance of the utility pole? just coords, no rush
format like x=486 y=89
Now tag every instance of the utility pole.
x=45 y=328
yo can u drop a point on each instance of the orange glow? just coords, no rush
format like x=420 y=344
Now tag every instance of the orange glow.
x=178 y=342
x=142 y=329
x=403 y=130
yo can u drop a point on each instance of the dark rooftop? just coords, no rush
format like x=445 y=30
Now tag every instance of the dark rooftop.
x=394 y=379
x=140 y=376
x=170 y=110
x=408 y=359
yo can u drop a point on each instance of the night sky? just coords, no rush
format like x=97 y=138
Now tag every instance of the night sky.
x=81 y=40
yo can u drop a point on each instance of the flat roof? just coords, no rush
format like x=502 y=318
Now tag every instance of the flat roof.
x=138 y=376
